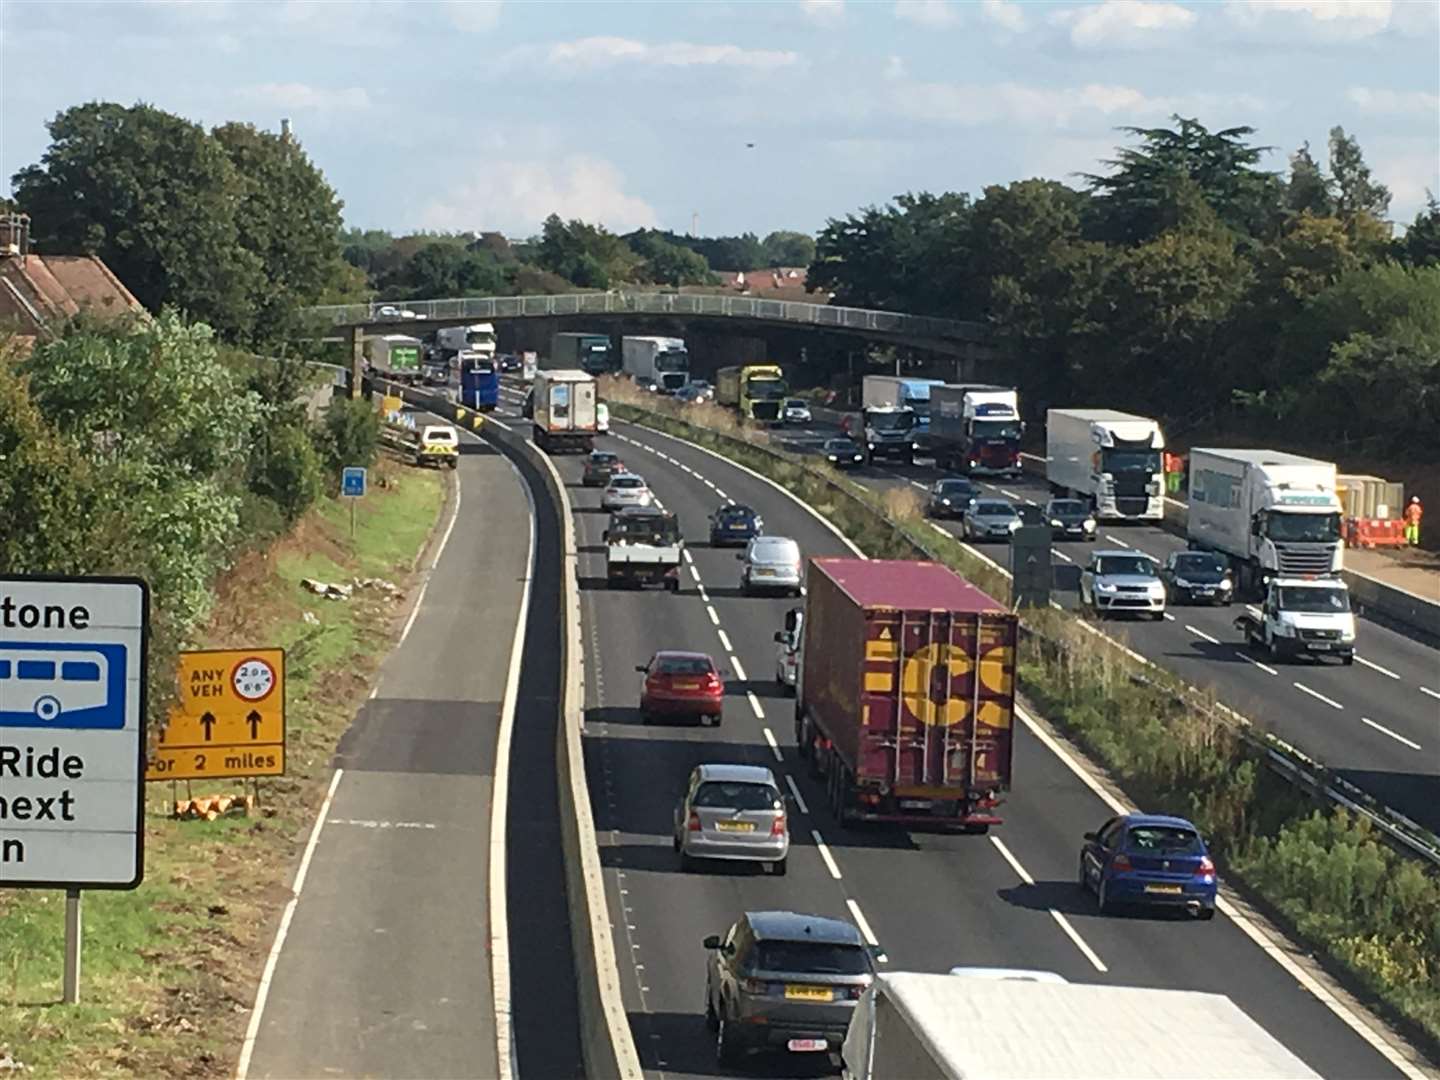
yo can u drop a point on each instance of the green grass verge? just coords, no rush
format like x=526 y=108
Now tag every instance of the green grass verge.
x=1374 y=912
x=169 y=970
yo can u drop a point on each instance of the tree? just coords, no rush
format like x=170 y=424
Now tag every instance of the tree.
x=1133 y=201
x=445 y=269
x=1420 y=246
x=589 y=255
x=1356 y=192
x=289 y=219
x=157 y=199
x=666 y=263
x=1308 y=191
x=786 y=248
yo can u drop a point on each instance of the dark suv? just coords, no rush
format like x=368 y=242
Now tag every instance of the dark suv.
x=783 y=981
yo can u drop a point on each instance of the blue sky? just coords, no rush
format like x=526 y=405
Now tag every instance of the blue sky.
x=476 y=115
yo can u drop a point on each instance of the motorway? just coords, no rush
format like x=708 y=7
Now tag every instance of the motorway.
x=385 y=970
x=931 y=901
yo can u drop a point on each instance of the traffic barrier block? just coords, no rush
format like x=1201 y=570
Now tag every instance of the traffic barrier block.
x=1374 y=532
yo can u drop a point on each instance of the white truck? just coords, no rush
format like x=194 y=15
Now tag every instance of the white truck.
x=1303 y=617
x=976 y=429
x=643 y=547
x=451 y=341
x=563 y=410
x=898 y=392
x=1113 y=460
x=660 y=363
x=1274 y=514
x=394 y=357
x=910 y=1026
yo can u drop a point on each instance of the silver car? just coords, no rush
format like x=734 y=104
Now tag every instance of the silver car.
x=989 y=519
x=733 y=812
x=625 y=489
x=771 y=562
x=796 y=411
x=783 y=981
x=1115 y=581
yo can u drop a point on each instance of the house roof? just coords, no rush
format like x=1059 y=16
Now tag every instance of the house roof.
x=38 y=291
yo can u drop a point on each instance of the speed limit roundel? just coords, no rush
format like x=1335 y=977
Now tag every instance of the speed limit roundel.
x=253 y=679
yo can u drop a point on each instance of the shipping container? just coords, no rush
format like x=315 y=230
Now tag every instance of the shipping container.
x=905 y=700
x=564 y=410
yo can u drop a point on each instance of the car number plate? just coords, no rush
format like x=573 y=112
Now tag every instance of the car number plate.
x=807 y=993
x=1204 y=592
x=1320 y=646
x=739 y=528
x=1164 y=890
x=687 y=686
x=807 y=1045
x=735 y=826
x=915 y=804
x=760 y=572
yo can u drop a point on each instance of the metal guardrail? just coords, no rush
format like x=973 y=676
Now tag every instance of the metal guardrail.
x=798 y=313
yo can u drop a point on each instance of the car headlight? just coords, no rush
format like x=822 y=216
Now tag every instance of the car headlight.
x=857 y=457
x=871 y=445
x=944 y=502
x=914 y=446
x=1105 y=587
x=1226 y=585
x=1056 y=523
x=1089 y=524
x=1015 y=524
x=832 y=457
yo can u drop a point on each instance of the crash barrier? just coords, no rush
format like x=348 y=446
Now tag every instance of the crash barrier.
x=1371 y=596
x=1287 y=761
x=1374 y=532
x=605 y=1038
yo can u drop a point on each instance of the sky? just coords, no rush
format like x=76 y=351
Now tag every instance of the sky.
x=725 y=117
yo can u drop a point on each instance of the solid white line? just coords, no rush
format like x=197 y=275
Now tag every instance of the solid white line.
x=825 y=854
x=1375 y=666
x=1202 y=634
x=1070 y=763
x=445 y=539
x=725 y=640
x=1250 y=659
x=1317 y=695
x=1386 y=731
x=1060 y=555
x=1116 y=540
x=1432 y=693
x=795 y=794
x=497 y=423
x=769 y=735
x=739 y=670
x=710 y=610
x=262 y=993
x=861 y=922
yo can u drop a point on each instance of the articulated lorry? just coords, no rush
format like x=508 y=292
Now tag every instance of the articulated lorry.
x=912 y=1026
x=895 y=392
x=394 y=357
x=451 y=341
x=1275 y=514
x=562 y=408
x=658 y=362
x=976 y=429
x=1112 y=460
x=591 y=353
x=905 y=695
x=756 y=391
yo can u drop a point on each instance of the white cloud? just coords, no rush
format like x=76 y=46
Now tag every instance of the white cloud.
x=473 y=16
x=516 y=196
x=1393 y=101
x=1409 y=168
x=894 y=67
x=593 y=52
x=824 y=11
x=1124 y=24
x=1326 y=19
x=933 y=13
x=1006 y=13
x=1046 y=108
x=304 y=96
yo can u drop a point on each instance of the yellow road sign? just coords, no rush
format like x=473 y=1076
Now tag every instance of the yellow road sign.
x=229 y=719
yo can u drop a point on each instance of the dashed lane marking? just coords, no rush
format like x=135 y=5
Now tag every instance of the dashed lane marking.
x=695 y=574
x=1061 y=555
x=864 y=925
x=710 y=610
x=1251 y=660
x=1116 y=540
x=1394 y=735
x=795 y=794
x=1202 y=634
x=725 y=640
x=1432 y=693
x=825 y=855
x=1371 y=664
x=1317 y=695
x=759 y=712
x=1009 y=494
x=769 y=735
x=1060 y=919
x=739 y=669
x=1170 y=618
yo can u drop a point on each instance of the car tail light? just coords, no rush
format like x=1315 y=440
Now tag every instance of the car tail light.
x=693 y=825
x=1206 y=867
x=1121 y=862
x=712 y=682
x=850 y=993
x=777 y=827
x=754 y=986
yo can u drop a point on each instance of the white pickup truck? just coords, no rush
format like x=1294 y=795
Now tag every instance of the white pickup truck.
x=1303 y=617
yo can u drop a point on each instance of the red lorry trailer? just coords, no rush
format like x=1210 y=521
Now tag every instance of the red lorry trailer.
x=905 y=698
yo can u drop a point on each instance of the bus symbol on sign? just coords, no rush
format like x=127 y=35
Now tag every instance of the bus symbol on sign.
x=253 y=679
x=55 y=685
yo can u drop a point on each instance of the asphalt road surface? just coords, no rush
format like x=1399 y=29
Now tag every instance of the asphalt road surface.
x=386 y=968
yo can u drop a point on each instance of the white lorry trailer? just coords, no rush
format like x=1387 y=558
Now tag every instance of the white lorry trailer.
x=1113 y=460
x=563 y=410
x=451 y=341
x=1274 y=514
x=910 y=1026
x=658 y=362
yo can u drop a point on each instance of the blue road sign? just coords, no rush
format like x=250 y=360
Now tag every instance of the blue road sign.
x=62 y=685
x=352 y=481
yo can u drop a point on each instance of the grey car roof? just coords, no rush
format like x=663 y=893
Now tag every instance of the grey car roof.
x=1122 y=553
x=792 y=926
x=737 y=774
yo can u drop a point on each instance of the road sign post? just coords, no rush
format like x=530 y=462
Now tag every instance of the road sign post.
x=1030 y=566
x=352 y=486
x=229 y=720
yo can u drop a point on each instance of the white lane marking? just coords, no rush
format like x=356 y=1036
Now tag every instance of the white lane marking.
x=1070 y=763
x=445 y=539
x=1375 y=666
x=1063 y=922
x=695 y=574
x=710 y=610
x=769 y=735
x=1201 y=634
x=862 y=923
x=688 y=557
x=825 y=854
x=1394 y=735
x=795 y=794
x=704 y=596
x=686 y=468
x=739 y=670
x=723 y=495
x=1009 y=494
x=725 y=640
x=1171 y=618
x=918 y=484
x=1250 y=659
x=1432 y=693
x=1116 y=540
x=1317 y=695
x=262 y=993
x=1061 y=555
x=708 y=483
x=370 y=823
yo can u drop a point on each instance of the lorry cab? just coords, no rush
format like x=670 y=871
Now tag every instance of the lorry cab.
x=891 y=432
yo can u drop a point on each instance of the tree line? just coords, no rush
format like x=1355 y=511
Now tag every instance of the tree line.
x=1186 y=282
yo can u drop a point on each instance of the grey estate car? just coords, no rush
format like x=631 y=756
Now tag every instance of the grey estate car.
x=783 y=981
x=733 y=812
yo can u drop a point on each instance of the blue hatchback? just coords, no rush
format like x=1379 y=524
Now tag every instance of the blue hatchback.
x=734 y=524
x=1149 y=859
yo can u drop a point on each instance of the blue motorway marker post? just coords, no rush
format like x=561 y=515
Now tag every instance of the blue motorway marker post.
x=72 y=740
x=353 y=479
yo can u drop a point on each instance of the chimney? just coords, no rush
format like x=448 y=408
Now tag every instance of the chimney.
x=14 y=235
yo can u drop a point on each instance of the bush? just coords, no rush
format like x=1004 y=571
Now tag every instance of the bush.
x=350 y=434
x=290 y=472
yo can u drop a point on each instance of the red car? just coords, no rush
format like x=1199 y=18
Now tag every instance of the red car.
x=686 y=684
